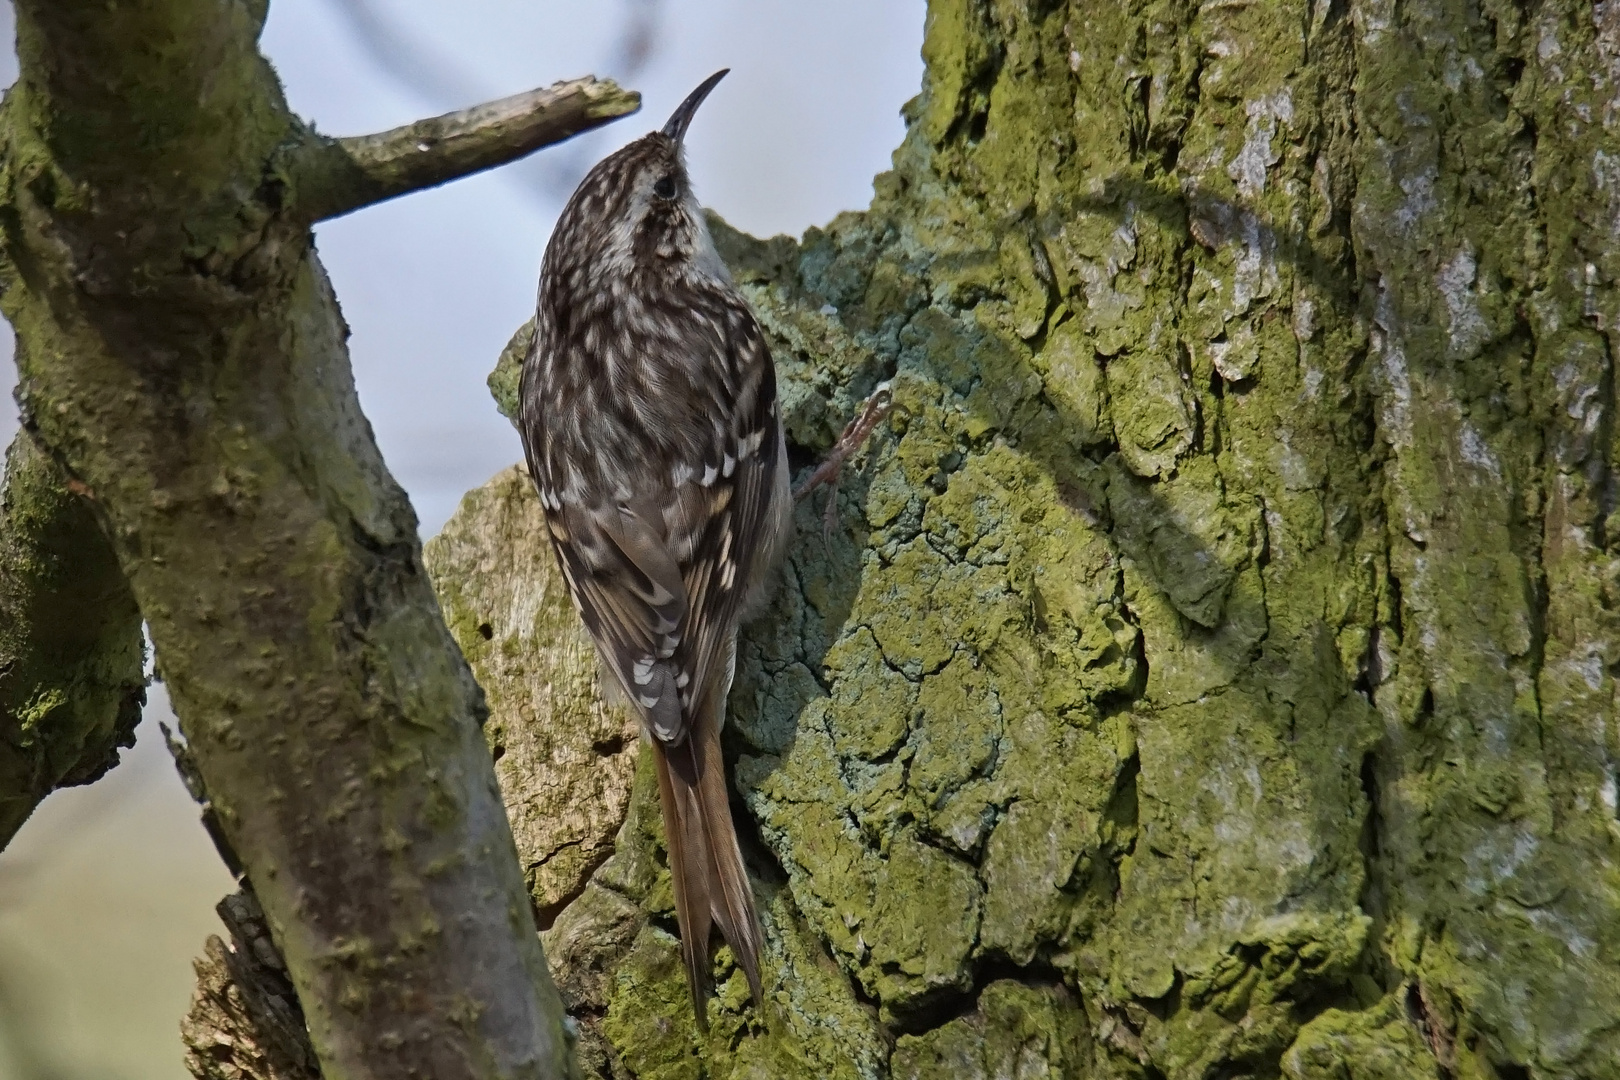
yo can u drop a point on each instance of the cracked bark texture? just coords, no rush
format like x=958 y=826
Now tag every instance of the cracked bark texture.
x=564 y=759
x=1213 y=675
x=71 y=654
x=245 y=1022
x=181 y=363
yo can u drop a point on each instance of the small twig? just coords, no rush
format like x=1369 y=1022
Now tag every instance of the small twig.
x=856 y=432
x=829 y=513
x=332 y=177
x=434 y=75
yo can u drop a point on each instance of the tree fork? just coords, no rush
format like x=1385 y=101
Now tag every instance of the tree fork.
x=181 y=357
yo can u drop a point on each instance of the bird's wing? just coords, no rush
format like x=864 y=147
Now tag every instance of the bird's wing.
x=659 y=578
x=629 y=592
x=722 y=519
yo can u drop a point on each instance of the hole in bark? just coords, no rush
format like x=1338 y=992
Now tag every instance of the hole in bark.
x=273 y=193
x=1172 y=154
x=761 y=861
x=935 y=1010
x=1414 y=1005
x=800 y=458
x=1140 y=97
x=1396 y=615
x=1528 y=131
x=1363 y=685
x=1372 y=672
x=1420 y=1013
x=608 y=747
x=1124 y=804
x=486 y=631
x=1425 y=709
x=1369 y=788
x=977 y=125
x=1513 y=68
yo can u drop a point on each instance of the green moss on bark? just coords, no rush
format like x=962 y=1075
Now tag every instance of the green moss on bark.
x=1017 y=1030
x=71 y=654
x=181 y=354
x=1219 y=627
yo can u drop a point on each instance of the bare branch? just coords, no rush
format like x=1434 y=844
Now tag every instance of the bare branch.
x=442 y=80
x=332 y=177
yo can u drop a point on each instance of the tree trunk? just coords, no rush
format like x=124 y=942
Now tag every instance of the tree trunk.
x=181 y=361
x=1212 y=671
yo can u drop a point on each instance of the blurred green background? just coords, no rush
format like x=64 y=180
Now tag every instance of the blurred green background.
x=105 y=896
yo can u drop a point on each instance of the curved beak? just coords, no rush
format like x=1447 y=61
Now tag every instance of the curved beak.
x=681 y=119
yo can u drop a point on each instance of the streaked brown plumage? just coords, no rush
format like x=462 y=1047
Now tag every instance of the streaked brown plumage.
x=650 y=423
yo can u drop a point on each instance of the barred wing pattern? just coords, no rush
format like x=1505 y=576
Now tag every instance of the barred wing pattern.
x=661 y=551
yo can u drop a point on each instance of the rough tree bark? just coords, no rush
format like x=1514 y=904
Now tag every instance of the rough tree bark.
x=71 y=655
x=181 y=363
x=1214 y=672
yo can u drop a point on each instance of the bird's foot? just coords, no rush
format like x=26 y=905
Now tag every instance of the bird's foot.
x=854 y=437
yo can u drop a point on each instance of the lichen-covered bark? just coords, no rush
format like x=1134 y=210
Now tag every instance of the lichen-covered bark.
x=1488 y=250
x=181 y=356
x=1213 y=673
x=565 y=761
x=71 y=655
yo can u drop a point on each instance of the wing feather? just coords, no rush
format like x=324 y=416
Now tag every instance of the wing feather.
x=660 y=578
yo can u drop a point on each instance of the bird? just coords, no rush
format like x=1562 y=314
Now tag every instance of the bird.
x=652 y=431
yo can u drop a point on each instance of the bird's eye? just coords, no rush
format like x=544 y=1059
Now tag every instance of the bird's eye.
x=665 y=188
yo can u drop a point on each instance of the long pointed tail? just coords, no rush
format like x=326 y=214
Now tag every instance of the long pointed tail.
x=711 y=885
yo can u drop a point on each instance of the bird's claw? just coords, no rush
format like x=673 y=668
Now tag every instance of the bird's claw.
x=854 y=436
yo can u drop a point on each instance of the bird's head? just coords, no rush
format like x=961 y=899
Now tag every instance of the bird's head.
x=636 y=212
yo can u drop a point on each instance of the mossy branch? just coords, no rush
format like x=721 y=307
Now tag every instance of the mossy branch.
x=71 y=684
x=180 y=353
x=332 y=177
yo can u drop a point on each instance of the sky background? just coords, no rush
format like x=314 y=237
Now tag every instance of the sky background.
x=107 y=893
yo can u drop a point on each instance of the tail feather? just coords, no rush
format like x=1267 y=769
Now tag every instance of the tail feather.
x=687 y=868
x=711 y=884
x=731 y=899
